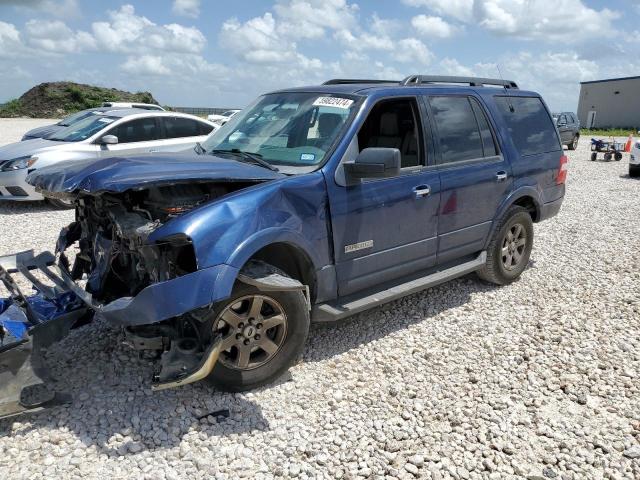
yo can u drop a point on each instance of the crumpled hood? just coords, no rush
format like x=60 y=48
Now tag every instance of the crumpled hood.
x=118 y=174
x=41 y=132
x=28 y=147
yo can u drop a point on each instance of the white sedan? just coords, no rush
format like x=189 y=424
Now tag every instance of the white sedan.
x=222 y=118
x=107 y=134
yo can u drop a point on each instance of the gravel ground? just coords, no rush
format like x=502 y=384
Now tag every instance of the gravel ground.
x=539 y=379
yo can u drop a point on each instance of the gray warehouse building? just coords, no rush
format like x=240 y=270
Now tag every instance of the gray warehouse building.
x=612 y=103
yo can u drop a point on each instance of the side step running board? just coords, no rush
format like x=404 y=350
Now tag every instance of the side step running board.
x=330 y=312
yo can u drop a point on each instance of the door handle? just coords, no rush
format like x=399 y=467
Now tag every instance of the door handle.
x=154 y=150
x=501 y=176
x=422 y=191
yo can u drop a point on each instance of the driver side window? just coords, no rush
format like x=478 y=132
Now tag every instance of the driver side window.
x=394 y=124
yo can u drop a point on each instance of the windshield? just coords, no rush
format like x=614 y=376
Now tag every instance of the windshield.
x=71 y=119
x=295 y=129
x=83 y=129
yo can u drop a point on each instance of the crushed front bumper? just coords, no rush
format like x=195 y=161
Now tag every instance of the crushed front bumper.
x=27 y=325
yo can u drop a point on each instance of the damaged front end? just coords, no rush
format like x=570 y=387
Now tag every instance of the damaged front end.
x=106 y=265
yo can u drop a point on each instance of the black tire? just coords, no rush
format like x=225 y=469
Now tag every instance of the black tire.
x=617 y=156
x=574 y=143
x=225 y=376
x=634 y=171
x=594 y=155
x=607 y=157
x=60 y=204
x=495 y=270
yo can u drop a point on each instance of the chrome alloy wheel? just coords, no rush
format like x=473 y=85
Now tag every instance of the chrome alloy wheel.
x=254 y=327
x=513 y=246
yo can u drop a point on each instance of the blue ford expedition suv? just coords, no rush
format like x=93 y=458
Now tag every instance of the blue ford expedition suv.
x=312 y=204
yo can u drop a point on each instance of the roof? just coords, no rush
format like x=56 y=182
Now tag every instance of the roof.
x=611 y=80
x=126 y=112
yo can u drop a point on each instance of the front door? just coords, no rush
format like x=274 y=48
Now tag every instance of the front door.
x=475 y=177
x=384 y=229
x=136 y=136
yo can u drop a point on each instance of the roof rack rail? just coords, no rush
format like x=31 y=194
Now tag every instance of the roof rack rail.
x=472 y=81
x=350 y=81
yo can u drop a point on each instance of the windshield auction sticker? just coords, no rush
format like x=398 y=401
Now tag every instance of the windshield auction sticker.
x=335 y=102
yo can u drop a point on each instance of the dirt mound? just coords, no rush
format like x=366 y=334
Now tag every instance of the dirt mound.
x=58 y=99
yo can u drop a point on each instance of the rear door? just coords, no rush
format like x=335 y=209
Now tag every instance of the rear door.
x=181 y=133
x=475 y=177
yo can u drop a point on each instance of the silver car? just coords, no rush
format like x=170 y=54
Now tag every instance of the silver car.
x=107 y=134
x=46 y=130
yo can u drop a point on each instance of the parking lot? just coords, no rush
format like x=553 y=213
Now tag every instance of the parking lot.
x=539 y=379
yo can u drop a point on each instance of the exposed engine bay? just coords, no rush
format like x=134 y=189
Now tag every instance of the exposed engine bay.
x=112 y=232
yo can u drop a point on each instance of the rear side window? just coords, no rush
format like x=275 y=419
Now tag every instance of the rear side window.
x=139 y=130
x=178 y=127
x=463 y=130
x=204 y=128
x=529 y=124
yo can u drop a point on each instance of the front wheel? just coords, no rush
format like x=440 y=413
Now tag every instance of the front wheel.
x=594 y=155
x=617 y=156
x=263 y=334
x=510 y=248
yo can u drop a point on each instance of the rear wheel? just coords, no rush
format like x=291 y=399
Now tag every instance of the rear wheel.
x=263 y=334
x=594 y=155
x=617 y=156
x=607 y=157
x=510 y=248
x=574 y=143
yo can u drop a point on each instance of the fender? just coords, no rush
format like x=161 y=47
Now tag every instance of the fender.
x=514 y=196
x=266 y=237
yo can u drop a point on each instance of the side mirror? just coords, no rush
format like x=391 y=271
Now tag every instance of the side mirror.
x=374 y=163
x=109 y=140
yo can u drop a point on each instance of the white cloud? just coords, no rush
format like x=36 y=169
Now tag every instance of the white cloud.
x=432 y=26
x=549 y=20
x=186 y=8
x=412 y=50
x=311 y=18
x=10 y=41
x=458 y=9
x=127 y=32
x=56 y=37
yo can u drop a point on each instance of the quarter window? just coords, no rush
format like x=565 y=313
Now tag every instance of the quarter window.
x=138 y=130
x=529 y=124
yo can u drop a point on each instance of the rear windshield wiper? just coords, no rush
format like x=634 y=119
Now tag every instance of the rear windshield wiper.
x=254 y=157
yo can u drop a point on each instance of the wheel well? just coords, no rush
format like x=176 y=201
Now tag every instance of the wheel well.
x=530 y=205
x=291 y=260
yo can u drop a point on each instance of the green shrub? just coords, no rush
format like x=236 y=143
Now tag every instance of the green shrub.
x=12 y=108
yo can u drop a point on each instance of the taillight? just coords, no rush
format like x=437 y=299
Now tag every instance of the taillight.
x=562 y=171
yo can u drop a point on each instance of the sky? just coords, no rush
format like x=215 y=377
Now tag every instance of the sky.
x=219 y=53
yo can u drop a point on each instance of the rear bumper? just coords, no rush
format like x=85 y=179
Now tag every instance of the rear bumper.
x=550 y=209
x=12 y=182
